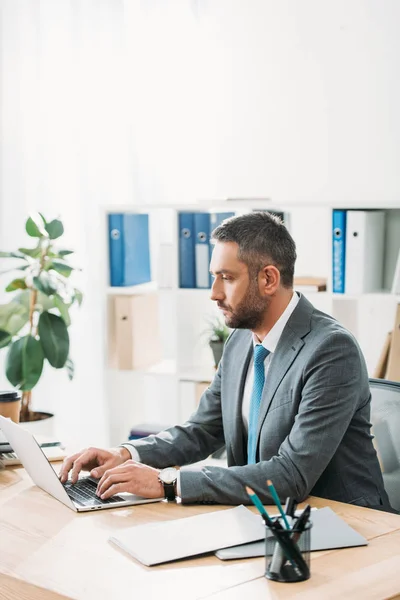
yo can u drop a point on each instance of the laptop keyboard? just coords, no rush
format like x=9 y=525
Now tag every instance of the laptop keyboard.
x=83 y=492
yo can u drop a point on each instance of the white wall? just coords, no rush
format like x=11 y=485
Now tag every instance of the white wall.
x=115 y=102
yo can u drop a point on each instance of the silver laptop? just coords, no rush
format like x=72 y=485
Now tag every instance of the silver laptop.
x=80 y=496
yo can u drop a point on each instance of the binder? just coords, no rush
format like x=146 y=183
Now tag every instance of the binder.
x=216 y=220
x=115 y=247
x=129 y=249
x=201 y=244
x=137 y=336
x=364 y=251
x=338 y=251
x=186 y=251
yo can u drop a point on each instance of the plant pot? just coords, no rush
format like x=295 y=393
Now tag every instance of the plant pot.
x=217 y=348
x=42 y=423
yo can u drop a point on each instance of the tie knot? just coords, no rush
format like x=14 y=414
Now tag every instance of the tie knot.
x=260 y=354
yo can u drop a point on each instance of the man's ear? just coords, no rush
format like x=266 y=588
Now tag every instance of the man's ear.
x=269 y=280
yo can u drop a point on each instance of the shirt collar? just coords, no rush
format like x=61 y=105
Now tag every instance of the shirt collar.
x=271 y=340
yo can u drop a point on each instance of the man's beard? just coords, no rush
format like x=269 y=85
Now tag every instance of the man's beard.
x=250 y=313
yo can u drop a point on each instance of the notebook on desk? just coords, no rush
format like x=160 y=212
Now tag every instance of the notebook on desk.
x=328 y=531
x=156 y=543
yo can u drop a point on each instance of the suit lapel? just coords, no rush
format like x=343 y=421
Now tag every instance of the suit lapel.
x=239 y=439
x=285 y=354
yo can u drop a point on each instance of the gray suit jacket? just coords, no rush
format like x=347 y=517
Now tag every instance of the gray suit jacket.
x=314 y=430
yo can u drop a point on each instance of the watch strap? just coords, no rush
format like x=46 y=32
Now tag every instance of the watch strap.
x=170 y=491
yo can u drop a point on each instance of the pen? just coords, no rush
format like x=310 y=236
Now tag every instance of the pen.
x=259 y=506
x=301 y=523
x=290 y=506
x=278 y=558
x=288 y=548
x=277 y=502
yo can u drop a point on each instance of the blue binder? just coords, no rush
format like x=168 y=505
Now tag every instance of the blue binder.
x=115 y=248
x=216 y=220
x=338 y=251
x=201 y=249
x=129 y=249
x=187 y=267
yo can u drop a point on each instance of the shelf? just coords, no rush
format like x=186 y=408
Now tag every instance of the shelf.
x=143 y=288
x=168 y=367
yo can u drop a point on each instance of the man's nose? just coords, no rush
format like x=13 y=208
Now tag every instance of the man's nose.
x=217 y=292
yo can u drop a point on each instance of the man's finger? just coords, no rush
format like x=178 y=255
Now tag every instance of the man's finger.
x=106 y=471
x=80 y=462
x=99 y=471
x=112 y=478
x=67 y=466
x=116 y=488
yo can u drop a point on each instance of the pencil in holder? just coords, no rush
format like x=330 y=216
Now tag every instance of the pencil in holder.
x=287 y=553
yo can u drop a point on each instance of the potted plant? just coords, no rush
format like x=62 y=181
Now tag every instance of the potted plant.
x=34 y=324
x=218 y=334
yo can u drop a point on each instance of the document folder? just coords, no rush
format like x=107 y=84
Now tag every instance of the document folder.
x=156 y=543
x=328 y=531
x=187 y=267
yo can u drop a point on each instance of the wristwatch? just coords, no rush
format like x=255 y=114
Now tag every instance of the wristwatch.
x=168 y=478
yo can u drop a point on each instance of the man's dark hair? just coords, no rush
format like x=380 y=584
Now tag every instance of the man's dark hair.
x=262 y=239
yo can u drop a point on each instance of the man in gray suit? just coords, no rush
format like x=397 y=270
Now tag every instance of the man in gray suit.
x=290 y=399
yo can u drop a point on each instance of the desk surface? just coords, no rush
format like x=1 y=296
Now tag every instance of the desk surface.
x=49 y=552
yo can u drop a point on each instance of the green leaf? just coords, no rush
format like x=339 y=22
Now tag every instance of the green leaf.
x=12 y=255
x=61 y=268
x=55 y=229
x=32 y=252
x=65 y=252
x=70 y=367
x=44 y=284
x=35 y=226
x=13 y=317
x=54 y=339
x=24 y=363
x=5 y=338
x=17 y=284
x=21 y=268
x=63 y=308
x=78 y=296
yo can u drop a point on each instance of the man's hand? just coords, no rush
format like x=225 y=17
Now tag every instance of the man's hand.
x=132 y=477
x=95 y=460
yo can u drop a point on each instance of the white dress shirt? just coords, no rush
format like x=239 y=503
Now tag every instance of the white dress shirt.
x=270 y=342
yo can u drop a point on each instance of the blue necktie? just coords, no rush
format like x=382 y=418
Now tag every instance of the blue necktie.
x=260 y=354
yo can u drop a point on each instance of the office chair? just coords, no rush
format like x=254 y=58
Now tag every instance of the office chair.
x=385 y=419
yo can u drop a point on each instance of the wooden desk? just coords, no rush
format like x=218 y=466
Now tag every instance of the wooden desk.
x=48 y=552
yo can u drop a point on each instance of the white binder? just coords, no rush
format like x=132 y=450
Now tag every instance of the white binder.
x=364 y=251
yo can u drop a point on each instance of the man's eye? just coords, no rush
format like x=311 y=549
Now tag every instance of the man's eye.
x=226 y=278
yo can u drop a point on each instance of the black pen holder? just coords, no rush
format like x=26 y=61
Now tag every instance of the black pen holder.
x=287 y=553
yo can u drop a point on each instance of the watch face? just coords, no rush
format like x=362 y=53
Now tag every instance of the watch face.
x=168 y=475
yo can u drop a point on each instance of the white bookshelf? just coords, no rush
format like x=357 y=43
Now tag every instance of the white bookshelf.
x=152 y=394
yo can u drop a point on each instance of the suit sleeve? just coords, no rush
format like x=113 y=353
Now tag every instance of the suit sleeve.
x=330 y=396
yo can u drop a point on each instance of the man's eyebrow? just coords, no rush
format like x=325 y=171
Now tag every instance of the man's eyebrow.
x=222 y=272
